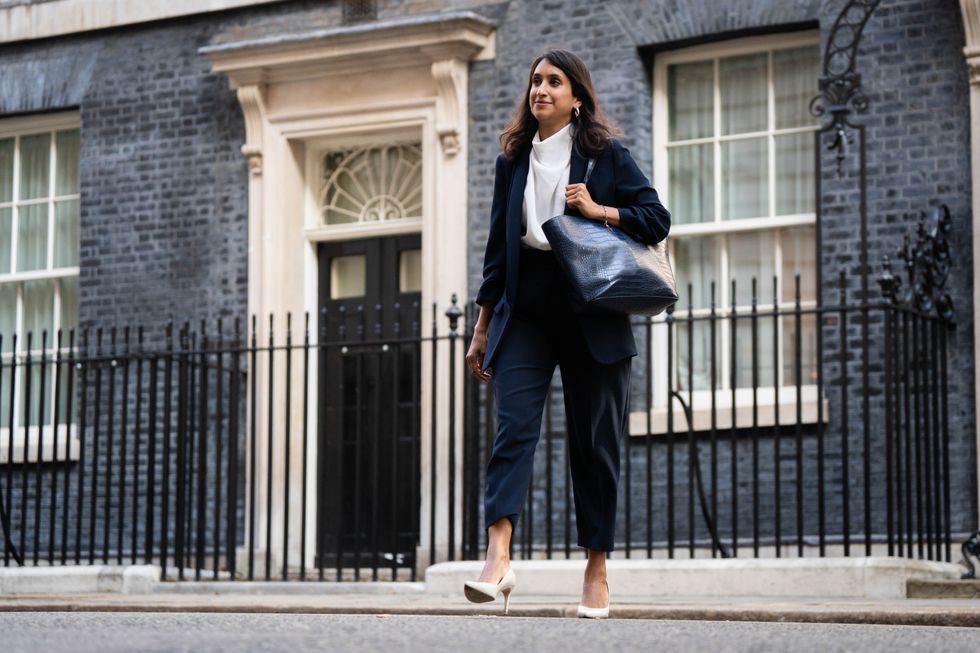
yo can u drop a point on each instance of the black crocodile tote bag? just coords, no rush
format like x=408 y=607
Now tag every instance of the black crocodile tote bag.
x=607 y=269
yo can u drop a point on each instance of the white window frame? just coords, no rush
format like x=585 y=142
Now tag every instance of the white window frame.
x=39 y=440
x=766 y=398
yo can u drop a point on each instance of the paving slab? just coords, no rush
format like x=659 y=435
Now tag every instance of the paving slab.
x=922 y=612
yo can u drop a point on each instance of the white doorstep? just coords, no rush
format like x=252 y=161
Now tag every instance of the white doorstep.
x=854 y=577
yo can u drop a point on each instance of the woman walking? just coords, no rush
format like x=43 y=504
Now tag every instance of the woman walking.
x=528 y=323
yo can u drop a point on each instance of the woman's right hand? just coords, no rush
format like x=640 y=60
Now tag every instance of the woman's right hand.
x=474 y=357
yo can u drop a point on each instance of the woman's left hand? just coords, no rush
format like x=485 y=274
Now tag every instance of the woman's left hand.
x=577 y=196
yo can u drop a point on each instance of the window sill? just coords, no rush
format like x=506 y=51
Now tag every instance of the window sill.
x=765 y=415
x=47 y=449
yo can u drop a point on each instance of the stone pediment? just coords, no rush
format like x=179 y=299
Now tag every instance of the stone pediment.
x=390 y=44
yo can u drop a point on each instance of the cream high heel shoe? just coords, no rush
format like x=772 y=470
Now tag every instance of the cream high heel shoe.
x=593 y=613
x=484 y=591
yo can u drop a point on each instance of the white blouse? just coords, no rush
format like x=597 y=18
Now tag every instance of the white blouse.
x=547 y=176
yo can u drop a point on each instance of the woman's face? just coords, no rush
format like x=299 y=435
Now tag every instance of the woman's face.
x=551 y=96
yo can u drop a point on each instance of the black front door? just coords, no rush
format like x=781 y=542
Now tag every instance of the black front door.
x=368 y=473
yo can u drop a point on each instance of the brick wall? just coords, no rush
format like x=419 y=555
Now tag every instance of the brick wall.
x=164 y=187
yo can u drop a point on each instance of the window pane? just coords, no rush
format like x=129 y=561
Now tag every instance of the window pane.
x=6 y=379
x=348 y=276
x=795 y=75
x=690 y=93
x=6 y=238
x=692 y=188
x=808 y=350
x=795 y=185
x=744 y=95
x=8 y=326
x=68 y=320
x=697 y=261
x=32 y=237
x=798 y=246
x=66 y=177
x=62 y=371
x=68 y=287
x=34 y=166
x=8 y=313
x=66 y=244
x=745 y=179
x=751 y=255
x=757 y=353
x=6 y=169
x=31 y=396
x=410 y=270
x=38 y=312
x=694 y=339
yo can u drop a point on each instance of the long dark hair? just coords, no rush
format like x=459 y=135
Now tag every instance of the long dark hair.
x=592 y=130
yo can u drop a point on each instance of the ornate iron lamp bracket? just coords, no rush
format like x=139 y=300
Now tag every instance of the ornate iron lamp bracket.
x=840 y=84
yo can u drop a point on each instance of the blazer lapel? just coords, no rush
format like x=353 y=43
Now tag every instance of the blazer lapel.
x=515 y=201
x=514 y=207
x=516 y=198
x=576 y=173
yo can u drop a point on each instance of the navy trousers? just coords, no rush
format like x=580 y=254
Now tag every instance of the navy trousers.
x=542 y=333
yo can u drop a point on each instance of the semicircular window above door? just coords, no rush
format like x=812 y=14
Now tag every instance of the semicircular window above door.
x=369 y=185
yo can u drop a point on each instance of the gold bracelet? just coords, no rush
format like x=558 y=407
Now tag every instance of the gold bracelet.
x=605 y=218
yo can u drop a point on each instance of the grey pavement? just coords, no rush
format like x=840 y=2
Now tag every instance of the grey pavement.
x=109 y=632
x=921 y=612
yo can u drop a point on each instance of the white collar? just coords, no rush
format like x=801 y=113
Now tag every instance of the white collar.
x=555 y=147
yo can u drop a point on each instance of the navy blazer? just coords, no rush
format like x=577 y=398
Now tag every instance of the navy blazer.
x=616 y=181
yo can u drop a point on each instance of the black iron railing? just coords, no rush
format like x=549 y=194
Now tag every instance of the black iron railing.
x=850 y=457
x=216 y=456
